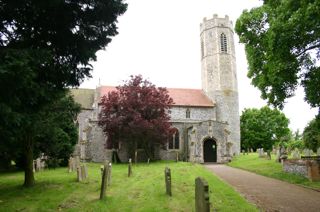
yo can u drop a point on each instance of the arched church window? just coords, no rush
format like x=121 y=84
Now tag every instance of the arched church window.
x=174 y=142
x=202 y=49
x=188 y=113
x=223 y=43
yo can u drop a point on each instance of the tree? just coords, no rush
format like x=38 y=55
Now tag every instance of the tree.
x=137 y=114
x=58 y=128
x=263 y=128
x=45 y=47
x=311 y=134
x=282 y=43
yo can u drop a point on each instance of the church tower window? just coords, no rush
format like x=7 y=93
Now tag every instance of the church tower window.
x=223 y=43
x=202 y=49
x=188 y=113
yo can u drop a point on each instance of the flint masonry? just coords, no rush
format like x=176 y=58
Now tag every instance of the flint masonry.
x=207 y=120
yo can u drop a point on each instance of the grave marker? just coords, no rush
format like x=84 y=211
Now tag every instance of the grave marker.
x=109 y=174
x=202 y=195
x=129 y=168
x=167 y=176
x=104 y=181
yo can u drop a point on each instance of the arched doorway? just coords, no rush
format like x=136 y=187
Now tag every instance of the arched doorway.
x=209 y=150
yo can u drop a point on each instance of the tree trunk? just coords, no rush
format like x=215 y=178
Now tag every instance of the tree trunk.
x=28 y=169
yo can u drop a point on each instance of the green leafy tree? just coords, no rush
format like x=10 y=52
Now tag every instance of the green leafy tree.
x=282 y=43
x=311 y=134
x=263 y=128
x=46 y=46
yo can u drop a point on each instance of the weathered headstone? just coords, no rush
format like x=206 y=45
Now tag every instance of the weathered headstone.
x=251 y=150
x=243 y=152
x=129 y=168
x=148 y=161
x=307 y=152
x=34 y=166
x=79 y=175
x=313 y=170
x=104 y=181
x=38 y=164
x=318 y=151
x=167 y=176
x=70 y=164
x=177 y=156
x=278 y=156
x=84 y=171
x=109 y=174
x=269 y=155
x=296 y=154
x=202 y=195
x=136 y=157
x=76 y=162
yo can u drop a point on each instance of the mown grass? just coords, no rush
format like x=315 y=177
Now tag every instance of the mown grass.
x=270 y=168
x=57 y=190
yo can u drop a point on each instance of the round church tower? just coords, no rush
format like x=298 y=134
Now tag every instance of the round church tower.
x=219 y=74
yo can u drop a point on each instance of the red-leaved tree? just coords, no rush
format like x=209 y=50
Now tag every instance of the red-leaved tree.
x=137 y=114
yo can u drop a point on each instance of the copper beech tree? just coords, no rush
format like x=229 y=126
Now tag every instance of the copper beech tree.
x=136 y=114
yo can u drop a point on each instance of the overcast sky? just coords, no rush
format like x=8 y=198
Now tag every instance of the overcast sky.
x=159 y=39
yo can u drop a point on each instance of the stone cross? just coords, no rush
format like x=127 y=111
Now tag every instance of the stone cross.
x=202 y=195
x=167 y=177
x=109 y=174
x=129 y=168
x=104 y=180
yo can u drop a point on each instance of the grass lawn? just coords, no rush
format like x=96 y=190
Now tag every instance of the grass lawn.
x=269 y=168
x=57 y=190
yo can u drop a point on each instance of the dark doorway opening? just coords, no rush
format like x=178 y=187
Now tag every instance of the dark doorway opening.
x=210 y=150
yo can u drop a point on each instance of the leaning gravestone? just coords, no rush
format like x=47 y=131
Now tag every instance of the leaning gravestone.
x=167 y=176
x=202 y=195
x=130 y=168
x=104 y=180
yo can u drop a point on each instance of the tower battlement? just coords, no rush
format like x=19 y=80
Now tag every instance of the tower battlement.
x=215 y=21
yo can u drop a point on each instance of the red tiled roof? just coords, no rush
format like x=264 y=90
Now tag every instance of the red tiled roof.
x=180 y=96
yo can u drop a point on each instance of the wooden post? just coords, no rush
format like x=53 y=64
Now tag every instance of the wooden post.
x=167 y=176
x=202 y=195
x=129 y=168
x=104 y=181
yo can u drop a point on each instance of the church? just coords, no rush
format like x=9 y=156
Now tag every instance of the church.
x=207 y=120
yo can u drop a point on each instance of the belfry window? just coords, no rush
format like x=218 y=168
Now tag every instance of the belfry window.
x=223 y=43
x=174 y=142
x=188 y=113
x=202 y=49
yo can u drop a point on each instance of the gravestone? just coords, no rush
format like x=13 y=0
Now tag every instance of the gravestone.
x=109 y=174
x=278 y=156
x=251 y=150
x=79 y=174
x=269 y=155
x=38 y=164
x=34 y=166
x=296 y=154
x=243 y=152
x=76 y=162
x=202 y=195
x=167 y=176
x=318 y=151
x=148 y=161
x=84 y=171
x=307 y=152
x=177 y=156
x=135 y=157
x=71 y=164
x=104 y=180
x=129 y=168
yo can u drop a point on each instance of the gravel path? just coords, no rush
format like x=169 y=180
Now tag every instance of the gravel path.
x=267 y=193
